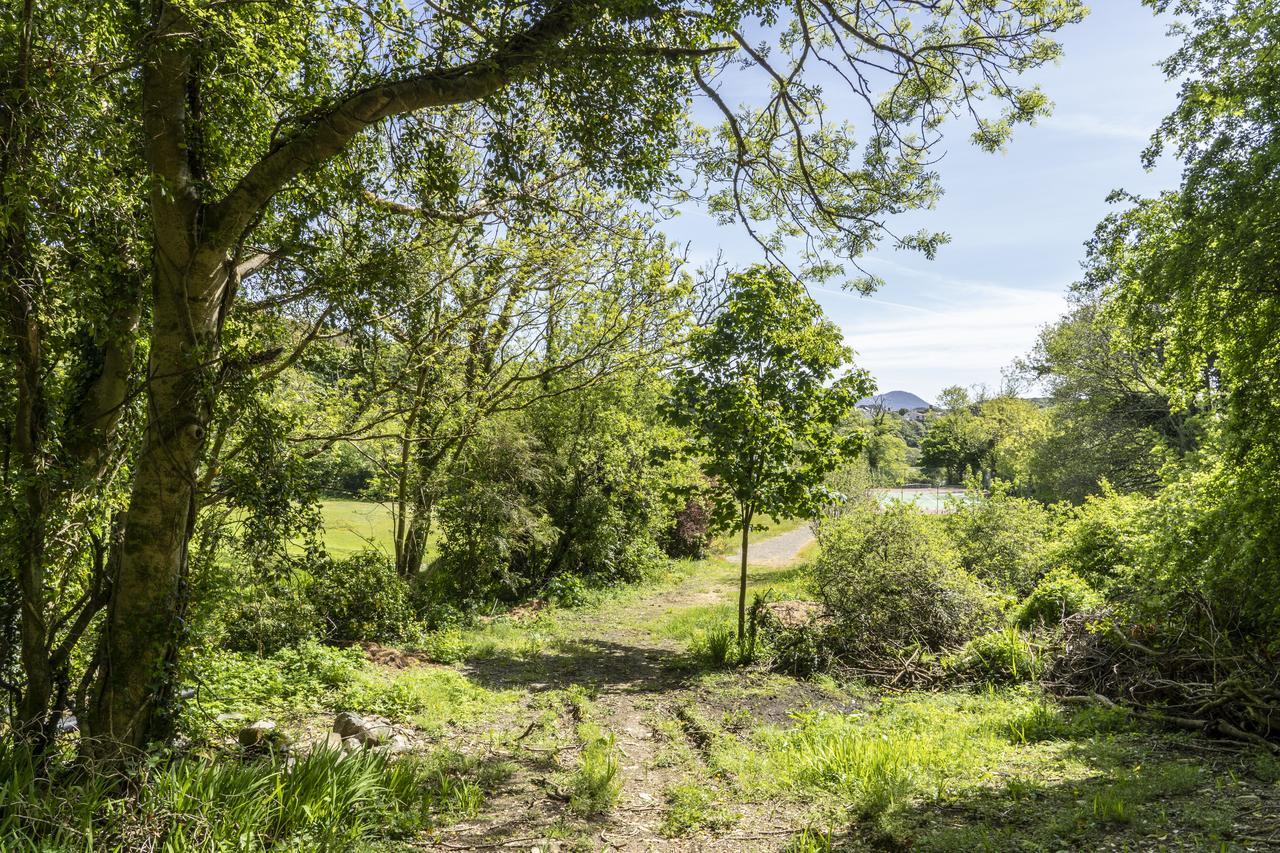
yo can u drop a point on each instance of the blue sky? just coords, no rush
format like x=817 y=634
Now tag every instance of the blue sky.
x=1018 y=220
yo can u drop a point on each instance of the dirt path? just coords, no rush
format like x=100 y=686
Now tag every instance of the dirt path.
x=638 y=685
x=780 y=550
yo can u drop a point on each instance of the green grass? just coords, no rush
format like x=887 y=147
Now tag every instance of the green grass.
x=988 y=770
x=351 y=526
x=693 y=807
x=431 y=698
x=595 y=785
x=319 y=801
x=301 y=682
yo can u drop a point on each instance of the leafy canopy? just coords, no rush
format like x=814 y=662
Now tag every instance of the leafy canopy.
x=762 y=395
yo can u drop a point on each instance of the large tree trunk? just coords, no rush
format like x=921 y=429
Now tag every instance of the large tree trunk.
x=137 y=674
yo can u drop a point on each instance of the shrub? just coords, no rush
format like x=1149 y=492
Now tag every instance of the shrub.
x=268 y=620
x=890 y=579
x=690 y=534
x=566 y=591
x=999 y=656
x=1000 y=539
x=360 y=598
x=1102 y=539
x=1060 y=594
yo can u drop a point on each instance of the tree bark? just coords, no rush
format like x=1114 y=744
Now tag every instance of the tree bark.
x=146 y=610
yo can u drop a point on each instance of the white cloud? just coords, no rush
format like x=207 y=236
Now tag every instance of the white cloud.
x=955 y=332
x=1087 y=124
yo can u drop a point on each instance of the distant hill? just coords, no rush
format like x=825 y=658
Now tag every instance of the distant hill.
x=893 y=401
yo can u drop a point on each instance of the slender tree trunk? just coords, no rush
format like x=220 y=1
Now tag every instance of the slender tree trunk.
x=415 y=545
x=742 y=580
x=30 y=516
x=18 y=278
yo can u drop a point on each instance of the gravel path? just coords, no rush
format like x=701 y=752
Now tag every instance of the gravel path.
x=777 y=550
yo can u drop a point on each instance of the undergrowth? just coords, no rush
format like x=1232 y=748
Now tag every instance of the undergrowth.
x=320 y=801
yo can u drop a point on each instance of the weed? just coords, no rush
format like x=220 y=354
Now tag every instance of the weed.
x=691 y=807
x=809 y=840
x=596 y=785
x=717 y=646
x=1040 y=723
x=1111 y=806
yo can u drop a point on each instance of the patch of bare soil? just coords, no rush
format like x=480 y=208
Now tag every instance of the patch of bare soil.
x=637 y=680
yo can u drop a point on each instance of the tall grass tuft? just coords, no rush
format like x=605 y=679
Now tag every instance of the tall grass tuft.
x=596 y=785
x=321 y=801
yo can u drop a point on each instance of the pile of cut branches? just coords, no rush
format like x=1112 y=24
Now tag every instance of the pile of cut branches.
x=1189 y=680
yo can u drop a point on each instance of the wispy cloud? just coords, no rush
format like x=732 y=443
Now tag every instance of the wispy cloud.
x=1087 y=124
x=960 y=333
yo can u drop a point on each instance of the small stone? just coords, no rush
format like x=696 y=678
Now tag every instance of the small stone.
x=348 y=724
x=332 y=742
x=398 y=743
x=351 y=744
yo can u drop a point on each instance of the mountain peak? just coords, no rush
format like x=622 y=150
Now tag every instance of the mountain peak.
x=893 y=401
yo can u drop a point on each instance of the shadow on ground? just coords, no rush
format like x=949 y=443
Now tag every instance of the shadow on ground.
x=617 y=667
x=1145 y=792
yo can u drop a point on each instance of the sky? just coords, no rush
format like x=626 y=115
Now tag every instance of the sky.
x=1018 y=220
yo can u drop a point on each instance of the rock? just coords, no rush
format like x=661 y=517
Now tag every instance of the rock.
x=261 y=733
x=398 y=743
x=348 y=724
x=332 y=742
x=375 y=734
x=351 y=744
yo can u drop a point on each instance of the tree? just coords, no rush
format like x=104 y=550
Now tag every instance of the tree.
x=260 y=125
x=1110 y=408
x=763 y=399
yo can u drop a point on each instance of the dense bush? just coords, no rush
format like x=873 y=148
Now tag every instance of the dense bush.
x=269 y=619
x=359 y=598
x=689 y=536
x=575 y=486
x=890 y=579
x=1212 y=554
x=1060 y=593
x=1001 y=538
x=1102 y=539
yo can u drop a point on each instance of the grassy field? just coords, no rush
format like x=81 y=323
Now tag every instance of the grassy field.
x=351 y=526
